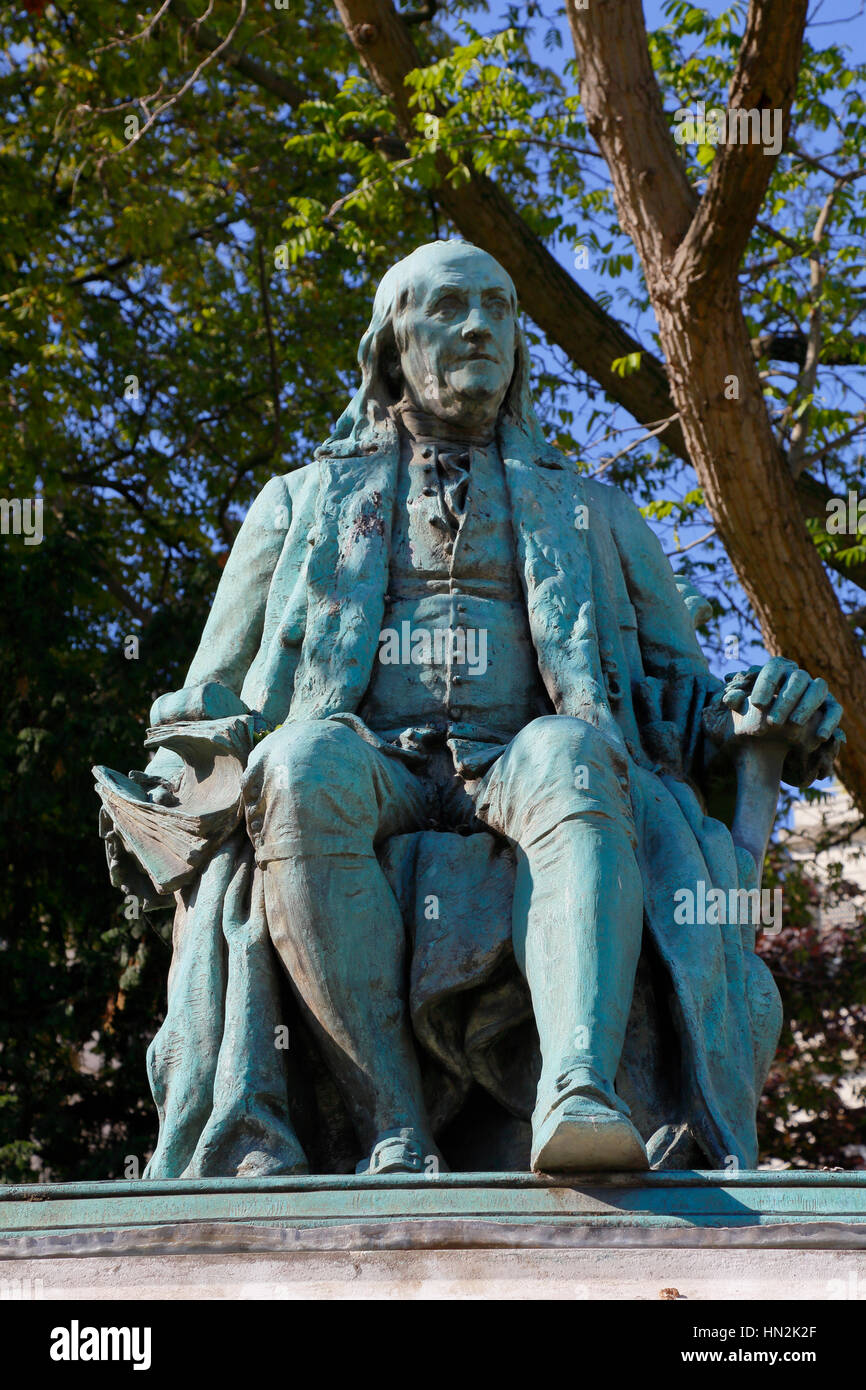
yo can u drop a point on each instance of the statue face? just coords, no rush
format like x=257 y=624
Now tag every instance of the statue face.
x=456 y=336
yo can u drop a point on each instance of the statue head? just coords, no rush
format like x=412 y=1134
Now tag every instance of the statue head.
x=445 y=334
x=454 y=319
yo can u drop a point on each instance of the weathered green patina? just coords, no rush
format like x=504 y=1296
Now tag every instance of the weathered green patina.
x=444 y=764
x=401 y=1211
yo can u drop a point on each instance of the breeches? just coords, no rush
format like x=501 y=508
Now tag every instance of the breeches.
x=317 y=788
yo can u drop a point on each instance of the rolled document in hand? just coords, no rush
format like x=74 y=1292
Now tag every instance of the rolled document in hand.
x=169 y=843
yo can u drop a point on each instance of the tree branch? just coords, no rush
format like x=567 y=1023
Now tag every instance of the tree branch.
x=809 y=374
x=272 y=351
x=210 y=41
x=765 y=79
x=626 y=117
x=791 y=347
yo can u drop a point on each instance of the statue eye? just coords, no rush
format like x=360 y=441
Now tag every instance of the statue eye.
x=447 y=305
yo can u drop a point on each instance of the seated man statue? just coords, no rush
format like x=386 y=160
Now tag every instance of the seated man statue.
x=439 y=624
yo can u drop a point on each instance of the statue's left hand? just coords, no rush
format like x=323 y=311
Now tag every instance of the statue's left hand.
x=782 y=704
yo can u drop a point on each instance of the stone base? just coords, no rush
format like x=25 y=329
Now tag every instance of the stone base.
x=644 y=1275
x=756 y=1235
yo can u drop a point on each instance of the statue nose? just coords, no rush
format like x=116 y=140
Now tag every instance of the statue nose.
x=476 y=326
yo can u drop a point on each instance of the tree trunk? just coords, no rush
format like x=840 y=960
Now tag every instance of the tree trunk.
x=690 y=253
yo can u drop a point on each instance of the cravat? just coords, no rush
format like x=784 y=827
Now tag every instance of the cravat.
x=453 y=468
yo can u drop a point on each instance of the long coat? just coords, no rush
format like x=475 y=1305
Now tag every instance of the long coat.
x=294 y=631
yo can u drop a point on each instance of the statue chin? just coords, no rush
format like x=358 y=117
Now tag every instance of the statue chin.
x=469 y=403
x=477 y=382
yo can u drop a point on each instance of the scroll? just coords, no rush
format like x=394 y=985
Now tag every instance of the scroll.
x=169 y=842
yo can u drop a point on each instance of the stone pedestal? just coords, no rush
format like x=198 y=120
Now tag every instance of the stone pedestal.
x=753 y=1235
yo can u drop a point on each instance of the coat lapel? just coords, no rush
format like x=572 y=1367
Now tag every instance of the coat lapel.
x=346 y=581
x=558 y=581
